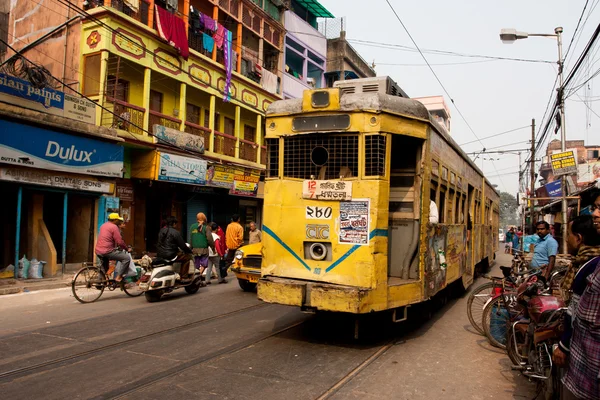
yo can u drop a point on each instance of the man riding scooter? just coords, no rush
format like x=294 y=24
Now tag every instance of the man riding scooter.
x=172 y=247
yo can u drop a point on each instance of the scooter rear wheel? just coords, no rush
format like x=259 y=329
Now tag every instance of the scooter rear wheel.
x=192 y=288
x=153 y=296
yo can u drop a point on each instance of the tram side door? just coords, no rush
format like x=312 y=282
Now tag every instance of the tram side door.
x=469 y=222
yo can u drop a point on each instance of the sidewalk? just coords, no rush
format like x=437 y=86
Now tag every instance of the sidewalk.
x=13 y=286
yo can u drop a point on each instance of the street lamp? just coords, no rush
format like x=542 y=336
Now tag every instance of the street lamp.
x=510 y=36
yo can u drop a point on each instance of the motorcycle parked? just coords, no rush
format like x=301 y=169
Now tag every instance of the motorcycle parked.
x=533 y=335
x=164 y=276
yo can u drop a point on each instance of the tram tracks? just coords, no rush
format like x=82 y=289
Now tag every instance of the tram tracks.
x=63 y=360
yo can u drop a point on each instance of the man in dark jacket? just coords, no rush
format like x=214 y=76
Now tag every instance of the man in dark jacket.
x=171 y=246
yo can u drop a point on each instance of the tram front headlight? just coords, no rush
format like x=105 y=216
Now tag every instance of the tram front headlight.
x=320 y=99
x=239 y=254
x=317 y=251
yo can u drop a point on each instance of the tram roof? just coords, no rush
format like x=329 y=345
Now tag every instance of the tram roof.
x=379 y=102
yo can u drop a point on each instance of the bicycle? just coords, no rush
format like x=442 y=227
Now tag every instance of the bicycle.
x=90 y=282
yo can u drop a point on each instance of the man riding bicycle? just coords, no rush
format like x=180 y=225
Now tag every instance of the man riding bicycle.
x=111 y=246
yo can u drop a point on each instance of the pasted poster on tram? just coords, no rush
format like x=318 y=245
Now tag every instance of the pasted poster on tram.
x=354 y=222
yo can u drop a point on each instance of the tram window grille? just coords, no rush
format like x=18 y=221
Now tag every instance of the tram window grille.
x=273 y=158
x=375 y=155
x=341 y=156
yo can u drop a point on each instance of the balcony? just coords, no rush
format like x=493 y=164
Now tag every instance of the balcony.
x=157 y=118
x=248 y=150
x=225 y=144
x=198 y=130
x=124 y=116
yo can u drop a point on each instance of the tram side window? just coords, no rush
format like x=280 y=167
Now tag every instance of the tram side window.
x=442 y=205
x=273 y=158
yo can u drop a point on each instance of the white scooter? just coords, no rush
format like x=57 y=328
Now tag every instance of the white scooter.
x=163 y=276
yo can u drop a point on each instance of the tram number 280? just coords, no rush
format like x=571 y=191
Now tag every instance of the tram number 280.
x=314 y=212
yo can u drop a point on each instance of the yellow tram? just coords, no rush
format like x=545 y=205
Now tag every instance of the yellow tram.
x=351 y=172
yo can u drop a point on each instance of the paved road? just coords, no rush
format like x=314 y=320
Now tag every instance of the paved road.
x=223 y=343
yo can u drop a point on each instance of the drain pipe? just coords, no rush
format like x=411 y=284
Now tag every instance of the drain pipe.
x=65 y=59
x=41 y=39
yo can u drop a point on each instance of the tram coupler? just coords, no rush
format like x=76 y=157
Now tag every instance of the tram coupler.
x=308 y=309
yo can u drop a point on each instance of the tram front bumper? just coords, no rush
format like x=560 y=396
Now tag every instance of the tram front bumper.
x=314 y=295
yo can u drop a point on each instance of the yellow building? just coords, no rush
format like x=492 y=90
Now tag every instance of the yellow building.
x=188 y=147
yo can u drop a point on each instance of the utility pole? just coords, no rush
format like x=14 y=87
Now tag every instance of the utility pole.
x=520 y=201
x=532 y=183
x=563 y=137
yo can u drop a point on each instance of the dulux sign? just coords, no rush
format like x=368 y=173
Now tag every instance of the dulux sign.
x=35 y=147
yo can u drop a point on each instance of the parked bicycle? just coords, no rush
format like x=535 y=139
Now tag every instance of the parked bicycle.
x=90 y=282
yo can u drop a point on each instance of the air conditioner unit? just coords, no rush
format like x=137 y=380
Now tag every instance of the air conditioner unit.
x=379 y=84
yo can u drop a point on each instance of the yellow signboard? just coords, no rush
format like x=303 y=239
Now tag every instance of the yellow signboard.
x=564 y=163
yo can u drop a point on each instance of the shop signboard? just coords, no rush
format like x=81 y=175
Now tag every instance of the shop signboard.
x=221 y=176
x=175 y=168
x=125 y=192
x=34 y=147
x=61 y=181
x=554 y=189
x=564 y=163
x=20 y=92
x=180 y=139
x=245 y=183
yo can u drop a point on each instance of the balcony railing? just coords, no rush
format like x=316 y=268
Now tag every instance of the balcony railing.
x=225 y=144
x=157 y=118
x=198 y=130
x=263 y=155
x=127 y=117
x=248 y=150
x=141 y=15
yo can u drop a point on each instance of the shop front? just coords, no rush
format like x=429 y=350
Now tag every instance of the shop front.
x=53 y=186
x=166 y=184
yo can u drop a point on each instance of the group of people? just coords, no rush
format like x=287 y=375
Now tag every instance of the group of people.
x=210 y=248
x=579 y=348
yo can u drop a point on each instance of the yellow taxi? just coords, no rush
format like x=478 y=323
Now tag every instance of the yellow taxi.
x=246 y=266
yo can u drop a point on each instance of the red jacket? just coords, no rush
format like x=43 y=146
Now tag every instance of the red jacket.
x=221 y=246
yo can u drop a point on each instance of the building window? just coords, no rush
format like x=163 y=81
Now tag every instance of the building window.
x=156 y=101
x=229 y=126
x=299 y=59
x=206 y=117
x=117 y=89
x=91 y=74
x=593 y=154
x=192 y=114
x=250 y=133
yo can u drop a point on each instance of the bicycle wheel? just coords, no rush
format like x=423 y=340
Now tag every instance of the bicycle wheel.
x=495 y=320
x=477 y=301
x=132 y=284
x=88 y=284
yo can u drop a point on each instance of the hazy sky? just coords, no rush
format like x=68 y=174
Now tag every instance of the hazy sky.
x=493 y=96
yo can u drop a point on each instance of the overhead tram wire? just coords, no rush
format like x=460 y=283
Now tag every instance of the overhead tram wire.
x=497 y=134
x=576 y=28
x=439 y=81
x=170 y=145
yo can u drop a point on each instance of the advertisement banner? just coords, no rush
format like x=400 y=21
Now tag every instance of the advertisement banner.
x=34 y=147
x=554 y=189
x=221 y=176
x=43 y=178
x=180 y=139
x=245 y=183
x=354 y=222
x=174 y=168
x=588 y=172
x=20 y=92
x=564 y=163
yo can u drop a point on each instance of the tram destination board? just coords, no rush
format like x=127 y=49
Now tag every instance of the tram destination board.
x=564 y=163
x=327 y=190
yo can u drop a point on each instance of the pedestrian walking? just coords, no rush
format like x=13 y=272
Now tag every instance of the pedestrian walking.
x=201 y=240
x=215 y=255
x=255 y=234
x=508 y=241
x=234 y=237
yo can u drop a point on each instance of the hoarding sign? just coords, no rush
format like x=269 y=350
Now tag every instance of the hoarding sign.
x=62 y=181
x=20 y=92
x=34 y=147
x=564 y=163
x=180 y=139
x=221 y=175
x=245 y=183
x=554 y=189
x=588 y=172
x=174 y=168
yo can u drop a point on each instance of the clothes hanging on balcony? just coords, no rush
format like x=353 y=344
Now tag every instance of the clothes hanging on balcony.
x=220 y=35
x=172 y=29
x=228 y=63
x=250 y=55
x=208 y=23
x=269 y=81
x=195 y=26
x=134 y=5
x=208 y=43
